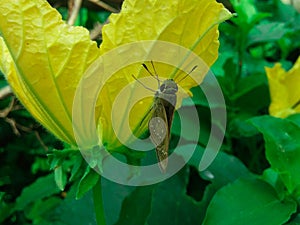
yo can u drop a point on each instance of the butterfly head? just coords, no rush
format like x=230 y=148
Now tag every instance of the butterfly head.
x=168 y=87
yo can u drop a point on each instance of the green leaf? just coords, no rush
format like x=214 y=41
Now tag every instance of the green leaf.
x=247 y=13
x=250 y=202
x=225 y=168
x=163 y=203
x=282 y=12
x=189 y=134
x=40 y=164
x=136 y=207
x=76 y=170
x=72 y=211
x=113 y=195
x=272 y=177
x=240 y=127
x=295 y=118
x=5 y=209
x=267 y=32
x=248 y=84
x=282 y=142
x=57 y=157
x=293 y=223
x=295 y=220
x=87 y=182
x=169 y=201
x=171 y=204
x=41 y=188
x=60 y=177
x=198 y=98
x=41 y=207
x=82 y=17
x=4 y=180
x=66 y=211
x=99 y=16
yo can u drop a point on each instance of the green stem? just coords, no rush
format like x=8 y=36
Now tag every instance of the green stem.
x=98 y=203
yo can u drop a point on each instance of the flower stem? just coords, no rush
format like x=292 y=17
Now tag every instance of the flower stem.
x=98 y=203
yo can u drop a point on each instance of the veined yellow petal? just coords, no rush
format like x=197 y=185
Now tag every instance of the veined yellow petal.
x=192 y=24
x=284 y=90
x=43 y=59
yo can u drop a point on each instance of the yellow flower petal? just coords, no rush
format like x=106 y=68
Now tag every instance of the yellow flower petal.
x=43 y=59
x=284 y=90
x=192 y=24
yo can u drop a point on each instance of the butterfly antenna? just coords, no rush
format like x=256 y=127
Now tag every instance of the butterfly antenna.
x=296 y=104
x=146 y=68
x=153 y=75
x=150 y=89
x=187 y=74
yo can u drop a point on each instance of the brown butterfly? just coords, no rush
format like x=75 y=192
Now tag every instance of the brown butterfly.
x=162 y=110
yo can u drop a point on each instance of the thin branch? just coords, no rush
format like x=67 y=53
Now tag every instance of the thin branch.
x=104 y=6
x=75 y=7
x=13 y=125
x=4 y=113
x=8 y=109
x=41 y=141
x=96 y=32
x=16 y=126
x=5 y=92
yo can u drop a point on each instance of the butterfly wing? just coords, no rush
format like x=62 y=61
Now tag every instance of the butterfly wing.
x=159 y=133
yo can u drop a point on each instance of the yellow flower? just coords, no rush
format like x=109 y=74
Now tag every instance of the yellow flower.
x=44 y=59
x=284 y=90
